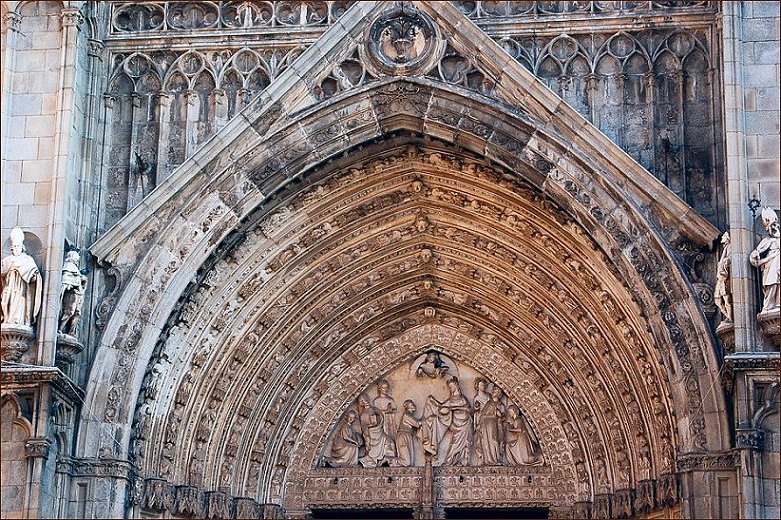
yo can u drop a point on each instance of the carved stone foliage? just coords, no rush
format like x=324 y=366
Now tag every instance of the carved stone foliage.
x=272 y=346
x=151 y=17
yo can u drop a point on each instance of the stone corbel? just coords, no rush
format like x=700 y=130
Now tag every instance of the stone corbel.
x=749 y=439
x=95 y=48
x=12 y=21
x=71 y=18
x=37 y=448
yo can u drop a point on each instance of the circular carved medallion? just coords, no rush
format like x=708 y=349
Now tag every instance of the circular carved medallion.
x=402 y=41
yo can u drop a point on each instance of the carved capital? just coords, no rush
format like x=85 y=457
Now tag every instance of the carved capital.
x=189 y=501
x=158 y=494
x=749 y=439
x=71 y=18
x=218 y=505
x=95 y=48
x=12 y=21
x=37 y=447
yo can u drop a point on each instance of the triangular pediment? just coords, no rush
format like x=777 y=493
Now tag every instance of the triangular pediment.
x=433 y=42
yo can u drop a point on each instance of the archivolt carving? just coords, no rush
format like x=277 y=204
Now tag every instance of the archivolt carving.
x=295 y=320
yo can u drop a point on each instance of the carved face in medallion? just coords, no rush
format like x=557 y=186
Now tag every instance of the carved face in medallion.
x=402 y=41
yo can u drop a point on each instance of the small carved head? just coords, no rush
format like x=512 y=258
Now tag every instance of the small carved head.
x=725 y=238
x=17 y=241
x=383 y=386
x=770 y=221
x=410 y=406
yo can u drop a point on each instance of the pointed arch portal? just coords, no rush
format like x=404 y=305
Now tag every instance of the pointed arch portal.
x=321 y=241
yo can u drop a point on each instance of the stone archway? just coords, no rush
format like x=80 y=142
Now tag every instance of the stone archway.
x=310 y=236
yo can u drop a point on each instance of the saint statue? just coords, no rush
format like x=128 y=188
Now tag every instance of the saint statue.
x=489 y=431
x=766 y=257
x=21 y=286
x=405 y=437
x=448 y=426
x=74 y=284
x=722 y=294
x=387 y=406
x=379 y=448
x=344 y=448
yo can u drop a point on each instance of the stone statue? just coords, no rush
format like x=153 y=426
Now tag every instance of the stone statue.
x=722 y=294
x=489 y=431
x=387 y=406
x=449 y=426
x=74 y=284
x=21 y=284
x=766 y=257
x=346 y=443
x=379 y=448
x=521 y=445
x=405 y=437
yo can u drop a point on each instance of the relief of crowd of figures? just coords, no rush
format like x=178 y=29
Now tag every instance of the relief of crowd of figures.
x=651 y=92
x=445 y=425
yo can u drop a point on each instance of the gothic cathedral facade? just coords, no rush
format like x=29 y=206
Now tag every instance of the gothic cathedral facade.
x=396 y=259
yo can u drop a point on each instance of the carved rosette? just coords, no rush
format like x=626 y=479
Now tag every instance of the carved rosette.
x=402 y=41
x=17 y=339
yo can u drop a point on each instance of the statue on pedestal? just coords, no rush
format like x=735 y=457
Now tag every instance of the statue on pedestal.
x=767 y=257
x=722 y=294
x=21 y=286
x=74 y=284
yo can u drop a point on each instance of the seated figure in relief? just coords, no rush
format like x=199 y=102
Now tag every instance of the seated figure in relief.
x=432 y=366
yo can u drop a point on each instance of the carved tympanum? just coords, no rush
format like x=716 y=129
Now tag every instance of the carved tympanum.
x=452 y=414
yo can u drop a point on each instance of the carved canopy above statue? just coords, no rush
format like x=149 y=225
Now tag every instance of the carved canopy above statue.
x=411 y=231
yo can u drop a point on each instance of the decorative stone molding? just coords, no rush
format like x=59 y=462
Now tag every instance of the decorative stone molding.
x=708 y=462
x=37 y=448
x=16 y=340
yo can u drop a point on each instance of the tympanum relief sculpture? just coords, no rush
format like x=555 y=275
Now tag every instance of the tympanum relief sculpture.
x=452 y=414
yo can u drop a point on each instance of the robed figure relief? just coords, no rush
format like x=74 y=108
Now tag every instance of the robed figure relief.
x=344 y=449
x=449 y=426
x=20 y=285
x=436 y=419
x=521 y=446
